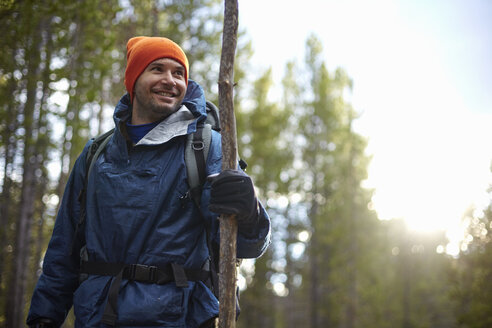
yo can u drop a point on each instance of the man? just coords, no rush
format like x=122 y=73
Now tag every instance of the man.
x=143 y=252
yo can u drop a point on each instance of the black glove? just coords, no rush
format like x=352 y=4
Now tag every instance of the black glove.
x=42 y=323
x=233 y=193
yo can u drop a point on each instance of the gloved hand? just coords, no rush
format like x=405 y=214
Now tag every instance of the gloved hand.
x=232 y=192
x=42 y=323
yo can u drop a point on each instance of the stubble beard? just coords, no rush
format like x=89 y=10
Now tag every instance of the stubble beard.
x=154 y=110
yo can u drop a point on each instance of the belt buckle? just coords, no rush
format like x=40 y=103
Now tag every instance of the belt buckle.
x=143 y=273
x=153 y=274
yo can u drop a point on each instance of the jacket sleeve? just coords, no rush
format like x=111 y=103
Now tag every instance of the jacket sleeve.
x=252 y=241
x=53 y=295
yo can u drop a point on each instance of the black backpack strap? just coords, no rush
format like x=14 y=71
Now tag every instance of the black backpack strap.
x=214 y=253
x=213 y=117
x=160 y=275
x=97 y=146
x=142 y=273
x=101 y=143
x=111 y=309
x=196 y=153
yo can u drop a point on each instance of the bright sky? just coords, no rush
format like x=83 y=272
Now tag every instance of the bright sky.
x=422 y=73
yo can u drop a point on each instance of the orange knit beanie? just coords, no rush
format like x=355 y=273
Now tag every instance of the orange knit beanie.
x=143 y=50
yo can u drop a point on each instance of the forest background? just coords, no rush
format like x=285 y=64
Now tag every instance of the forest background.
x=332 y=262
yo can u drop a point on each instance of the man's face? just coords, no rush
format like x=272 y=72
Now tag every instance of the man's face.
x=159 y=91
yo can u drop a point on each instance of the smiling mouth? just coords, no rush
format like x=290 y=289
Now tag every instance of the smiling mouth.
x=165 y=94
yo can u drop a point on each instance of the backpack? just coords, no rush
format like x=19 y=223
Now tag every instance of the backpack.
x=196 y=152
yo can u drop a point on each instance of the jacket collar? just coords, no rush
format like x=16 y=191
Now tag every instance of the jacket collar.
x=174 y=125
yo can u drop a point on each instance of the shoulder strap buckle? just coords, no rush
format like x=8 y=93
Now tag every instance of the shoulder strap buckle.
x=198 y=145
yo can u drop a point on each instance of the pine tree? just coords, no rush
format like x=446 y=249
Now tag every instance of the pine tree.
x=62 y=66
x=473 y=270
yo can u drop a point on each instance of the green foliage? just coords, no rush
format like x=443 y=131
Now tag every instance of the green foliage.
x=353 y=270
x=261 y=142
x=61 y=67
x=331 y=263
x=472 y=272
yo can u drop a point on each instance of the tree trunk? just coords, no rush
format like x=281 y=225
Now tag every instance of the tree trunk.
x=406 y=266
x=351 y=309
x=289 y=311
x=67 y=156
x=228 y=223
x=154 y=26
x=313 y=260
x=6 y=199
x=28 y=193
x=41 y=151
x=313 y=246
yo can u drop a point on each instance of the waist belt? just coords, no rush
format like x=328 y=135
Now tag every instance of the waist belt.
x=143 y=273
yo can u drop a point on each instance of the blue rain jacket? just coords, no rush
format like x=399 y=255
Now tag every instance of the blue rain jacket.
x=137 y=213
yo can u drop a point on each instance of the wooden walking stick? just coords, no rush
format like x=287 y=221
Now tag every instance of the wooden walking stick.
x=228 y=223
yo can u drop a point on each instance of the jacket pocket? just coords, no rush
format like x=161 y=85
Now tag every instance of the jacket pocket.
x=126 y=197
x=152 y=305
